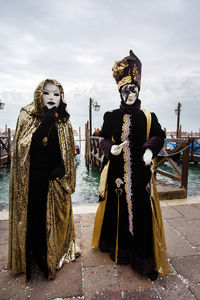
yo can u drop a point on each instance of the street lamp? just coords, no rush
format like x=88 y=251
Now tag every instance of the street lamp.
x=96 y=106
x=177 y=111
x=1 y=104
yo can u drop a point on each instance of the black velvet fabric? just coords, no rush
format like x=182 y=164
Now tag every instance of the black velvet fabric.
x=136 y=249
x=45 y=163
x=130 y=109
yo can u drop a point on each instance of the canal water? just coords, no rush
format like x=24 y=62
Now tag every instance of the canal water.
x=87 y=183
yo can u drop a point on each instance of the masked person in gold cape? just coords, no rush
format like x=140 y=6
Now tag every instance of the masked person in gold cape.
x=128 y=222
x=42 y=179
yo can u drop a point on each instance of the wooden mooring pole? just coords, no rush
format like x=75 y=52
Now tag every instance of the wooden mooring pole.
x=5 y=148
x=185 y=164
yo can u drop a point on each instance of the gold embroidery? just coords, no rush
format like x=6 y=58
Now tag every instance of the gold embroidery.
x=119 y=66
x=127 y=169
x=136 y=75
x=124 y=81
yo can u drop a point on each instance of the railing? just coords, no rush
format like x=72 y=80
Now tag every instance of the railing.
x=180 y=175
x=177 y=173
x=96 y=155
x=5 y=149
x=195 y=149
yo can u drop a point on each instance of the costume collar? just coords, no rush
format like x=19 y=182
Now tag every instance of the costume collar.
x=130 y=109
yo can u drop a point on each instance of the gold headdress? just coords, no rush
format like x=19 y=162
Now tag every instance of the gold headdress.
x=127 y=70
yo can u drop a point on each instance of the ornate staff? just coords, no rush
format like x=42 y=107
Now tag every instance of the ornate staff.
x=118 y=191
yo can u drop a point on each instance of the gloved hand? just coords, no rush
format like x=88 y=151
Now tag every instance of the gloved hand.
x=49 y=116
x=43 y=130
x=58 y=172
x=62 y=113
x=147 y=157
x=116 y=149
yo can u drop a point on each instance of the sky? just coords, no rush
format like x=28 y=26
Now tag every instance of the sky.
x=77 y=43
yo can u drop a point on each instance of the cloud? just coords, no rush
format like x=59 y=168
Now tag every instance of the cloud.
x=77 y=43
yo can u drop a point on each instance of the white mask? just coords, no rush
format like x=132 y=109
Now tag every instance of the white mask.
x=51 y=95
x=129 y=93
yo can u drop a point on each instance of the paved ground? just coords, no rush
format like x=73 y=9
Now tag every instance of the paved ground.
x=95 y=276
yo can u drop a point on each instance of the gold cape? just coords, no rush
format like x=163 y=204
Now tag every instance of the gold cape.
x=161 y=264
x=59 y=220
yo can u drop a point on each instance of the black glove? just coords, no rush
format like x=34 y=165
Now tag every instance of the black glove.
x=62 y=111
x=49 y=117
x=58 y=172
x=43 y=130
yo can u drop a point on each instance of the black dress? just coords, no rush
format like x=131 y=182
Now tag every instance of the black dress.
x=134 y=222
x=43 y=160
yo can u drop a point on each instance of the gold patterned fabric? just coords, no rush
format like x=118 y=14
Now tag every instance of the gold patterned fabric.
x=59 y=221
x=127 y=70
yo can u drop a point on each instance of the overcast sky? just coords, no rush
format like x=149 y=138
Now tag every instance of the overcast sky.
x=77 y=43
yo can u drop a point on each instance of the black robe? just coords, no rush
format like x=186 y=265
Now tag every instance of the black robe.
x=135 y=245
x=43 y=161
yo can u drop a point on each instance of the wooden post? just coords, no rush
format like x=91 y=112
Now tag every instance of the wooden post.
x=87 y=146
x=90 y=115
x=9 y=147
x=185 y=164
x=179 y=132
x=79 y=138
x=178 y=118
x=192 y=149
x=0 y=154
x=86 y=143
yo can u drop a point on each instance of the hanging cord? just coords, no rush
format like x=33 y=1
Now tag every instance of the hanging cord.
x=172 y=154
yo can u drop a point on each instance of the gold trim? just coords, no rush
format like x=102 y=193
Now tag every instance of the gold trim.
x=148 y=117
x=124 y=81
x=136 y=75
x=98 y=222
x=159 y=244
x=103 y=180
x=127 y=169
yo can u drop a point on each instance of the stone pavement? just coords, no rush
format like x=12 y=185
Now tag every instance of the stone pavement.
x=94 y=276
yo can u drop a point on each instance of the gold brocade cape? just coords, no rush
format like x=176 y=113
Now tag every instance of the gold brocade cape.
x=161 y=264
x=59 y=218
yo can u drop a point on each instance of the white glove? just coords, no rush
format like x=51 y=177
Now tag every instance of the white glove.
x=147 y=157
x=116 y=149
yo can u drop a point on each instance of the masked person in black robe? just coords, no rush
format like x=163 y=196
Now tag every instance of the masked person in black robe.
x=42 y=179
x=129 y=215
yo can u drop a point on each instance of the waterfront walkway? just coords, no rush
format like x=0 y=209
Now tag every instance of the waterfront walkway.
x=94 y=276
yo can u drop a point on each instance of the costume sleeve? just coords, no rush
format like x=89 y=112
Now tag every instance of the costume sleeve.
x=106 y=133
x=156 y=136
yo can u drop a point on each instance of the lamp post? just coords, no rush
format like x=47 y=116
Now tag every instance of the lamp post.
x=96 y=106
x=1 y=104
x=177 y=111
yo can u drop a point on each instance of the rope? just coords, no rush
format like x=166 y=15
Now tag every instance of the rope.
x=172 y=154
